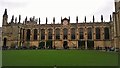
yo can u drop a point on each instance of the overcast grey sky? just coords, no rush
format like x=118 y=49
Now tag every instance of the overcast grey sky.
x=57 y=8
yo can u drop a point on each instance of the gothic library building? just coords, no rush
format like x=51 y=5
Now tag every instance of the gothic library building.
x=86 y=35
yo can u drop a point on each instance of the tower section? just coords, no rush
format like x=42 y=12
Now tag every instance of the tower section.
x=5 y=18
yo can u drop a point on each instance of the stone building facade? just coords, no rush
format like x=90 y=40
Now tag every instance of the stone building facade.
x=0 y=38
x=87 y=35
x=116 y=23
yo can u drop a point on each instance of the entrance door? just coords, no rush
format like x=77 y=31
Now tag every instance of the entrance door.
x=4 y=43
x=65 y=44
x=49 y=44
x=42 y=45
x=90 y=44
x=81 y=44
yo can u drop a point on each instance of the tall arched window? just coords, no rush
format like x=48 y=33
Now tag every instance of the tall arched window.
x=106 y=33
x=57 y=32
x=42 y=34
x=89 y=32
x=28 y=35
x=35 y=34
x=50 y=33
x=81 y=33
x=97 y=30
x=65 y=33
x=72 y=33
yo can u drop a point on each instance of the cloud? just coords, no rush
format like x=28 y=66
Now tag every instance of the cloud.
x=57 y=8
x=13 y=3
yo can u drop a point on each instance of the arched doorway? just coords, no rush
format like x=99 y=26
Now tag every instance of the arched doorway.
x=5 y=41
x=81 y=44
x=49 y=44
x=90 y=44
x=42 y=45
x=65 y=44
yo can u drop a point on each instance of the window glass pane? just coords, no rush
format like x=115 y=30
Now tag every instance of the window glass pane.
x=28 y=35
x=72 y=33
x=97 y=33
x=57 y=32
x=35 y=34
x=50 y=33
x=65 y=33
x=42 y=34
x=81 y=33
x=89 y=31
x=106 y=33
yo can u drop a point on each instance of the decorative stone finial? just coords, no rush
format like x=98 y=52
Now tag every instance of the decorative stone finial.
x=76 y=19
x=46 y=20
x=53 y=19
x=19 y=18
x=39 y=20
x=85 y=19
x=5 y=12
x=101 y=18
x=93 y=19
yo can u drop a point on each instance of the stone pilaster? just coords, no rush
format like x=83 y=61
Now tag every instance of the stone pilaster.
x=61 y=34
x=31 y=34
x=53 y=37
x=69 y=34
x=77 y=37
x=25 y=35
x=38 y=35
x=85 y=36
x=94 y=33
x=18 y=40
x=21 y=34
x=46 y=35
x=102 y=33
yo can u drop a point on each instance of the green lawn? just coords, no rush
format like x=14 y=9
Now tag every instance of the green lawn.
x=59 y=58
x=0 y=58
